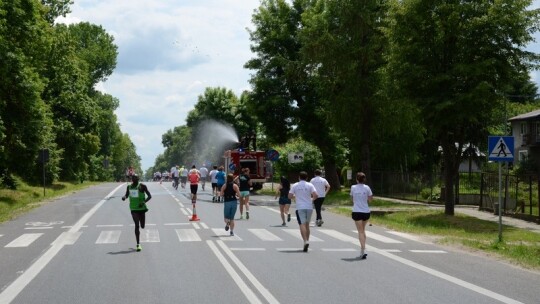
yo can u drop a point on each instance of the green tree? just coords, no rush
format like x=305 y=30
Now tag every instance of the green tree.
x=25 y=125
x=56 y=8
x=285 y=95
x=452 y=59
x=312 y=159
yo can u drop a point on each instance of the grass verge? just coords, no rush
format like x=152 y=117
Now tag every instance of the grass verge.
x=16 y=202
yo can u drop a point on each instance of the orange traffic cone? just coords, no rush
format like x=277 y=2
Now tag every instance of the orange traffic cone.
x=194 y=216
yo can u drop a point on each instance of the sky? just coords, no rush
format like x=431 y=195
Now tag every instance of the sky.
x=169 y=52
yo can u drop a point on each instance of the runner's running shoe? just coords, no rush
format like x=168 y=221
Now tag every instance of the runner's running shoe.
x=139 y=248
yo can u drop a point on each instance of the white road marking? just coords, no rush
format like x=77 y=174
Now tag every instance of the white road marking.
x=437 y=273
x=224 y=235
x=149 y=236
x=116 y=225
x=289 y=249
x=184 y=211
x=204 y=226
x=250 y=295
x=296 y=234
x=339 y=249
x=380 y=238
x=428 y=251
x=11 y=291
x=409 y=236
x=24 y=240
x=187 y=235
x=265 y=235
x=196 y=226
x=391 y=250
x=37 y=228
x=251 y=278
x=176 y=224
x=109 y=237
x=248 y=249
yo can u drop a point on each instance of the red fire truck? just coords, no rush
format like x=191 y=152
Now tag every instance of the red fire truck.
x=237 y=159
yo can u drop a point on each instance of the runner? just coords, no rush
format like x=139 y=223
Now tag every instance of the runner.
x=361 y=196
x=138 y=195
x=183 y=176
x=194 y=177
x=175 y=175
x=245 y=186
x=204 y=174
x=322 y=186
x=220 y=178
x=213 y=181
x=230 y=192
x=284 y=201
x=304 y=194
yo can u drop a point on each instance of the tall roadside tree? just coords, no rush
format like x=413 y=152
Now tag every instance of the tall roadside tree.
x=25 y=125
x=453 y=59
x=343 y=43
x=285 y=97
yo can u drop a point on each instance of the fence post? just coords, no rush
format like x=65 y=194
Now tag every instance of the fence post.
x=505 y=192
x=481 y=191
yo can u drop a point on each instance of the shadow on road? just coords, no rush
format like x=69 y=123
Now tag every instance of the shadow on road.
x=131 y=250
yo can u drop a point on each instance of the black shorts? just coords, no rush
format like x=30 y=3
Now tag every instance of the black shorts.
x=360 y=216
x=284 y=201
x=214 y=186
x=194 y=188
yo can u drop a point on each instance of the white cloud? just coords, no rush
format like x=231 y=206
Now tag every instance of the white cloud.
x=169 y=52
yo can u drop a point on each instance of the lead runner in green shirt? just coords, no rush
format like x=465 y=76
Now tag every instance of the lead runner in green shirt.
x=138 y=195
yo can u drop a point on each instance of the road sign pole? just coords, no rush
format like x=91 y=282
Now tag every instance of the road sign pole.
x=500 y=202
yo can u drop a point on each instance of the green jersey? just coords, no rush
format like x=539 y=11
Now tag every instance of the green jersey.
x=136 y=198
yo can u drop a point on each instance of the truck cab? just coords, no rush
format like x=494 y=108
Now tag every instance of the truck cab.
x=237 y=159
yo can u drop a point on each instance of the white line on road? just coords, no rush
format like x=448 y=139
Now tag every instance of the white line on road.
x=109 y=237
x=38 y=228
x=24 y=240
x=224 y=235
x=196 y=226
x=250 y=295
x=265 y=235
x=150 y=236
x=408 y=236
x=117 y=225
x=184 y=211
x=339 y=249
x=436 y=273
x=428 y=251
x=248 y=249
x=205 y=226
x=251 y=278
x=296 y=234
x=380 y=238
x=188 y=235
x=176 y=224
x=27 y=276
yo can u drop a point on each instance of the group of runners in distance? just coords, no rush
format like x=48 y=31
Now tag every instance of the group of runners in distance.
x=230 y=190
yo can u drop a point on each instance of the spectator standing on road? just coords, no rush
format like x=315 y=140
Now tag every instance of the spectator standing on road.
x=220 y=179
x=322 y=186
x=304 y=193
x=361 y=196
x=284 y=201
x=230 y=193
x=213 y=181
x=245 y=186
x=138 y=195
x=204 y=174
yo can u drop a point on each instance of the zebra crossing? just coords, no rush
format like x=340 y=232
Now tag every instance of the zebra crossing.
x=192 y=232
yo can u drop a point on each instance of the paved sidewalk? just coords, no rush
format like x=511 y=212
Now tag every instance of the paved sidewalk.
x=268 y=200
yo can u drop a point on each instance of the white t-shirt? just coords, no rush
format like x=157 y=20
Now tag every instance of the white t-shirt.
x=320 y=184
x=174 y=172
x=213 y=176
x=360 y=194
x=203 y=171
x=303 y=192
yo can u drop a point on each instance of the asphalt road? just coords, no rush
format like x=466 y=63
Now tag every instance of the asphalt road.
x=80 y=249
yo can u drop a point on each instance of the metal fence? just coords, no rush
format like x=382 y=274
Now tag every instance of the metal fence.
x=520 y=195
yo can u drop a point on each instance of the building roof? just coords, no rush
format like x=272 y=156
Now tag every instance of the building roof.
x=527 y=116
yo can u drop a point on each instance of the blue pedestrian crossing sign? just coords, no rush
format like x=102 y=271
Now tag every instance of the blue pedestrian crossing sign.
x=501 y=148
